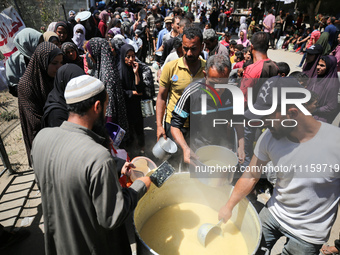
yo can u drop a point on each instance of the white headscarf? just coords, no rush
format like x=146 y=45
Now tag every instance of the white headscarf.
x=51 y=26
x=78 y=38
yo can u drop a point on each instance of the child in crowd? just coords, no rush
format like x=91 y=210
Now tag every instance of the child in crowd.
x=284 y=69
x=247 y=53
x=238 y=47
x=232 y=48
x=226 y=40
x=207 y=26
x=239 y=61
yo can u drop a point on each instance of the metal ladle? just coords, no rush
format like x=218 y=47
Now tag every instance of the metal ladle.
x=205 y=229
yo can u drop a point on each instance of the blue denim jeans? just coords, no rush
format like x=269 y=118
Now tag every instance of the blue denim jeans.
x=303 y=59
x=272 y=231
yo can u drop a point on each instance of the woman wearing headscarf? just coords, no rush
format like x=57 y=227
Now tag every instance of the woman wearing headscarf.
x=326 y=85
x=95 y=16
x=133 y=85
x=26 y=41
x=55 y=109
x=52 y=37
x=336 y=54
x=62 y=30
x=34 y=88
x=314 y=53
x=243 y=39
x=51 y=26
x=71 y=54
x=114 y=26
x=103 y=16
x=79 y=37
x=107 y=71
x=323 y=41
x=243 y=25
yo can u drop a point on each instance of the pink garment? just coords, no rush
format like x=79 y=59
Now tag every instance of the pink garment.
x=245 y=42
x=316 y=35
x=238 y=64
x=270 y=22
x=336 y=54
x=223 y=42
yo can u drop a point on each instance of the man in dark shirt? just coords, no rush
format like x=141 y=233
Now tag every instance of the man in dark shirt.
x=332 y=30
x=189 y=106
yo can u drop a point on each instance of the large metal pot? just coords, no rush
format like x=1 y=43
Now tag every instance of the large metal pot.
x=180 y=188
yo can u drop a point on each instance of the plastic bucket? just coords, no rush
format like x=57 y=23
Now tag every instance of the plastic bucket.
x=115 y=132
x=163 y=149
x=143 y=166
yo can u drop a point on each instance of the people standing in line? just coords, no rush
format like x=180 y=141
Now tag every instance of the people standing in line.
x=107 y=71
x=85 y=209
x=26 y=41
x=52 y=37
x=55 y=109
x=71 y=54
x=78 y=38
x=33 y=89
x=326 y=84
x=134 y=90
x=62 y=30
x=102 y=26
x=268 y=24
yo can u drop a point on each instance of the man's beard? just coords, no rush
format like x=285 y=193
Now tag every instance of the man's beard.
x=190 y=59
x=100 y=129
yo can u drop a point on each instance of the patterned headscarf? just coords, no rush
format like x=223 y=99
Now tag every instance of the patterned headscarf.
x=33 y=90
x=78 y=61
x=107 y=72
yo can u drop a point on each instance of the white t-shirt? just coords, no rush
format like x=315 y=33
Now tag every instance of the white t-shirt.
x=304 y=202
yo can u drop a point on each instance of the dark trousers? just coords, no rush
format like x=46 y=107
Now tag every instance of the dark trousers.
x=271 y=39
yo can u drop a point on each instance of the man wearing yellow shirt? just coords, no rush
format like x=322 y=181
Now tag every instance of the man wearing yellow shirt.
x=176 y=76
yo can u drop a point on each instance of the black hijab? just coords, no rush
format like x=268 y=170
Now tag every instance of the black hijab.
x=56 y=99
x=65 y=25
x=126 y=72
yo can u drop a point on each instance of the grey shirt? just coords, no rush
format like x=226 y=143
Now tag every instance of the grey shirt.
x=84 y=206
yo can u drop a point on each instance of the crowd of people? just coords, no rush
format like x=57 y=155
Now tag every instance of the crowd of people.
x=94 y=68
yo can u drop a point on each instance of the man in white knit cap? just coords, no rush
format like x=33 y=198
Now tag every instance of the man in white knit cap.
x=85 y=209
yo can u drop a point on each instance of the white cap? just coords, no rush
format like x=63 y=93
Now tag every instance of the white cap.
x=81 y=88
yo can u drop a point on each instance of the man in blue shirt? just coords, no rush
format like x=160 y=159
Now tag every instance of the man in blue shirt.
x=168 y=21
x=331 y=29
